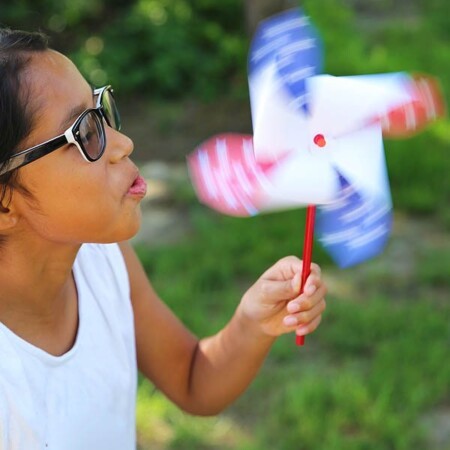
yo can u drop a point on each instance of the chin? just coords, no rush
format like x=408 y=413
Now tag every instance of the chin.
x=133 y=228
x=124 y=233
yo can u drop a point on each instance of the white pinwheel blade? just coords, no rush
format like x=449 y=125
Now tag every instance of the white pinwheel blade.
x=338 y=106
x=303 y=178
x=277 y=127
x=359 y=157
x=341 y=105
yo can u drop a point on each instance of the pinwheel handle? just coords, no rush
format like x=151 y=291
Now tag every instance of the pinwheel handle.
x=307 y=255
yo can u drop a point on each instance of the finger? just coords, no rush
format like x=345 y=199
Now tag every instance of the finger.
x=313 y=283
x=305 y=317
x=309 y=327
x=311 y=314
x=284 y=269
x=315 y=269
x=304 y=302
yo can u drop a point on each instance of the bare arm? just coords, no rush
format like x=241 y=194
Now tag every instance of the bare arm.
x=204 y=376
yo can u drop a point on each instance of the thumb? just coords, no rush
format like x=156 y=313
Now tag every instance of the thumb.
x=296 y=283
x=274 y=291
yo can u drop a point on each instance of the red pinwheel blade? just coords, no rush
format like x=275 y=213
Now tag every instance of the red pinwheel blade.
x=227 y=176
x=427 y=104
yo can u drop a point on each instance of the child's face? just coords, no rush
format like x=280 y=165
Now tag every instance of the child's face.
x=73 y=201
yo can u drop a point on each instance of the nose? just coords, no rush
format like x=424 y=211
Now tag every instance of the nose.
x=118 y=145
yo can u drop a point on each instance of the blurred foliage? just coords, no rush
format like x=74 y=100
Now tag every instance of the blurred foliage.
x=162 y=47
x=179 y=47
x=172 y=49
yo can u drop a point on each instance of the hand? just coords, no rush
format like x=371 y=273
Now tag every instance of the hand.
x=274 y=305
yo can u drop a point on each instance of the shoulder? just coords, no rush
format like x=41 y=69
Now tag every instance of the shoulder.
x=106 y=265
x=101 y=273
x=139 y=283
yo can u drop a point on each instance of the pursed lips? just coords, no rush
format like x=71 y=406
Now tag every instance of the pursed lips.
x=138 y=186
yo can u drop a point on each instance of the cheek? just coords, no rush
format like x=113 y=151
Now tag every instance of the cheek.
x=69 y=217
x=78 y=204
x=70 y=203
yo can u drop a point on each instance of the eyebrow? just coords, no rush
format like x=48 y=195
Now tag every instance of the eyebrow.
x=74 y=113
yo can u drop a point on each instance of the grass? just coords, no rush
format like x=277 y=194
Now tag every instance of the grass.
x=365 y=380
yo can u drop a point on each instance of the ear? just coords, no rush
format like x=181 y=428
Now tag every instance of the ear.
x=8 y=218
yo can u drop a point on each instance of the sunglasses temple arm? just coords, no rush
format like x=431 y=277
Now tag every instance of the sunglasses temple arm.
x=32 y=154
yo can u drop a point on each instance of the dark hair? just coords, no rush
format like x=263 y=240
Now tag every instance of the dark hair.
x=16 y=120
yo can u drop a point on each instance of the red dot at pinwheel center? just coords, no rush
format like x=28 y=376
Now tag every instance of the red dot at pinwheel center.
x=319 y=140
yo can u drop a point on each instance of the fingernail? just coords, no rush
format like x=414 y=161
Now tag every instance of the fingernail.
x=296 y=282
x=293 y=307
x=290 y=321
x=310 y=289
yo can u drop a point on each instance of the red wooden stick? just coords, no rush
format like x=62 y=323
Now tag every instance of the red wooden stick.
x=307 y=255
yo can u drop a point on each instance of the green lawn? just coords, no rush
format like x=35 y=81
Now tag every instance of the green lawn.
x=368 y=379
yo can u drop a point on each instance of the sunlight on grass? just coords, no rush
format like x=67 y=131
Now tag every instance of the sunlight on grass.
x=161 y=425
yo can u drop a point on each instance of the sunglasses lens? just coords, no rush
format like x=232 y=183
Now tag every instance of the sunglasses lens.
x=110 y=110
x=92 y=136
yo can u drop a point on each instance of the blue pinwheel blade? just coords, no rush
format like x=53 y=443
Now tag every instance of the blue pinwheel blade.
x=354 y=228
x=290 y=42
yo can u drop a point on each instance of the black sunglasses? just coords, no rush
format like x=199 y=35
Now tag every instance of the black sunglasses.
x=87 y=133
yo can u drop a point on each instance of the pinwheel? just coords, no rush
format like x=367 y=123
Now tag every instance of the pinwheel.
x=317 y=141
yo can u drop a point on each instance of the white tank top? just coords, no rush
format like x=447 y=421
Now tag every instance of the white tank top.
x=85 y=399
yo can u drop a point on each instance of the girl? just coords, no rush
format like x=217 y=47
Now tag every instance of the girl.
x=78 y=316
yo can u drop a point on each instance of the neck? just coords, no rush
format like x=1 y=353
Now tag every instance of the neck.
x=37 y=290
